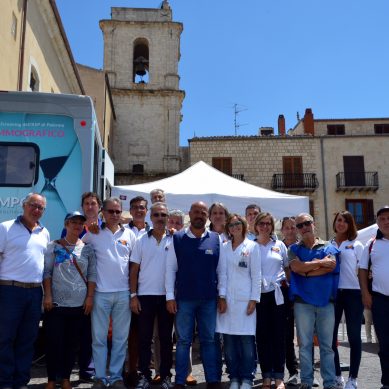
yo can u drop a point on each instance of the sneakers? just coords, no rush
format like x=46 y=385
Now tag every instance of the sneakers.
x=339 y=383
x=99 y=384
x=315 y=383
x=166 y=383
x=143 y=383
x=119 y=384
x=293 y=380
x=351 y=383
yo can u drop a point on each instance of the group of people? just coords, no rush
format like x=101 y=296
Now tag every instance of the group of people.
x=110 y=286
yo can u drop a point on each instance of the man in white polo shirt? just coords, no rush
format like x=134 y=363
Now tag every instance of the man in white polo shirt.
x=375 y=257
x=23 y=242
x=112 y=245
x=148 y=296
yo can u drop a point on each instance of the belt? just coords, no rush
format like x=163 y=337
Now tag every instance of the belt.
x=27 y=285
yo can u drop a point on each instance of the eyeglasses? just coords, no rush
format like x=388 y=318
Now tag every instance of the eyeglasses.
x=113 y=211
x=156 y=214
x=140 y=207
x=36 y=206
x=264 y=224
x=307 y=223
x=235 y=224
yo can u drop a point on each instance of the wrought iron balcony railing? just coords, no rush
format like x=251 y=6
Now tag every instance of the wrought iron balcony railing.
x=295 y=182
x=357 y=181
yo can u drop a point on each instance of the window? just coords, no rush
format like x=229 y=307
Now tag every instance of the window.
x=293 y=172
x=224 y=164
x=14 y=26
x=362 y=210
x=335 y=129
x=141 y=61
x=19 y=164
x=137 y=169
x=381 y=128
x=354 y=170
x=34 y=80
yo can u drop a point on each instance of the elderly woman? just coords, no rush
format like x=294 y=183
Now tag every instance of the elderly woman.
x=69 y=282
x=240 y=281
x=349 y=298
x=271 y=309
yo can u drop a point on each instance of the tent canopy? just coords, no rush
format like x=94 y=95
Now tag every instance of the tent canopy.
x=202 y=182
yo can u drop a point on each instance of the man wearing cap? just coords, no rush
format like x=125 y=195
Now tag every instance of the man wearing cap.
x=375 y=257
x=23 y=242
x=313 y=285
x=112 y=245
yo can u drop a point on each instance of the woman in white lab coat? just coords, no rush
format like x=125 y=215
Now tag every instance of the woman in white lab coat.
x=239 y=290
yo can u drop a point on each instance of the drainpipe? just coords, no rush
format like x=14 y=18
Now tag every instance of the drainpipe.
x=324 y=185
x=22 y=43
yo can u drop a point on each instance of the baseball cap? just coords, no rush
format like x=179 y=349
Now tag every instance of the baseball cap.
x=75 y=214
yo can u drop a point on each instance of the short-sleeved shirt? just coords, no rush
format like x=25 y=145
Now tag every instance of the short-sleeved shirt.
x=151 y=256
x=22 y=251
x=379 y=264
x=67 y=286
x=113 y=251
x=315 y=290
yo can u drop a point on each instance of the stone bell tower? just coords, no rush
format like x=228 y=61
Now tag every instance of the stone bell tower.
x=141 y=54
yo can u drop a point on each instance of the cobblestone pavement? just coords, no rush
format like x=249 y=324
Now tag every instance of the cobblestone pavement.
x=369 y=373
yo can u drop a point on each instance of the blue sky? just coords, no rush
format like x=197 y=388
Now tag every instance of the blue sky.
x=270 y=57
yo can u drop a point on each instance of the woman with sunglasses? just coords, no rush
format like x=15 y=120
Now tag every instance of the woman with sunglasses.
x=271 y=309
x=236 y=319
x=348 y=299
x=69 y=282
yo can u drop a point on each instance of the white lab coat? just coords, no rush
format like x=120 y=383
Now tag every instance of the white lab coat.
x=240 y=281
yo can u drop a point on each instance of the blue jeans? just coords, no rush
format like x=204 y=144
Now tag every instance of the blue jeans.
x=117 y=306
x=204 y=313
x=20 y=314
x=321 y=320
x=349 y=301
x=239 y=351
x=380 y=311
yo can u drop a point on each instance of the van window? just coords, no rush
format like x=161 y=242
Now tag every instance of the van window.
x=19 y=164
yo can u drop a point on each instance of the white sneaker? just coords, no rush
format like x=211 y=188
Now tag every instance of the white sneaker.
x=234 y=385
x=293 y=380
x=339 y=383
x=315 y=383
x=351 y=383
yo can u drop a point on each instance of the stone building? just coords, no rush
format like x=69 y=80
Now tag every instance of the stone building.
x=338 y=163
x=36 y=55
x=141 y=55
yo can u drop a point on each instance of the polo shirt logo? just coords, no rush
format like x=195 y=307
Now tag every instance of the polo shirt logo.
x=123 y=242
x=209 y=252
x=275 y=249
x=350 y=246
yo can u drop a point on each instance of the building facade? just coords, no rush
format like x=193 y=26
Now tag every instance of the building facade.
x=339 y=163
x=141 y=55
x=37 y=52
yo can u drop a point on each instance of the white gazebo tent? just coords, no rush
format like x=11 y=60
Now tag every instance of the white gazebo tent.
x=202 y=182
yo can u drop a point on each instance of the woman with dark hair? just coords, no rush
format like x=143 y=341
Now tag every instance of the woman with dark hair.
x=240 y=287
x=218 y=214
x=271 y=309
x=349 y=299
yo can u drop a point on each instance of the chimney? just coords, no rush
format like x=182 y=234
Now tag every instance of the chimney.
x=309 y=127
x=281 y=125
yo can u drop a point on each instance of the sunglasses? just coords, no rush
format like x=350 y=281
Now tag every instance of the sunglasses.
x=113 y=211
x=36 y=206
x=235 y=224
x=156 y=214
x=307 y=223
x=264 y=224
x=288 y=218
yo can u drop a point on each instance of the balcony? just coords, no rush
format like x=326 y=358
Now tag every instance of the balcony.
x=299 y=182
x=238 y=176
x=361 y=181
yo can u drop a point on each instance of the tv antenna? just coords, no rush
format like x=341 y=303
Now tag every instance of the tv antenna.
x=238 y=109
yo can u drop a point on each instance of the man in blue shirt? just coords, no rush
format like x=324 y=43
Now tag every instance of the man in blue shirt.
x=313 y=284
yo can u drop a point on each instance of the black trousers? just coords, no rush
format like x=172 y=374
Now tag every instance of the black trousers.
x=155 y=307
x=62 y=328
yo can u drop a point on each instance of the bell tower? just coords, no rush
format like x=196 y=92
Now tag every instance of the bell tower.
x=141 y=55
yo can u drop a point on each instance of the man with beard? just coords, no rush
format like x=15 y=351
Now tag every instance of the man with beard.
x=191 y=293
